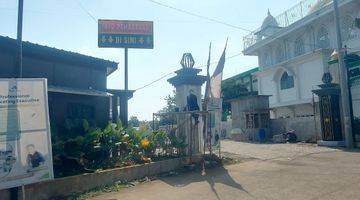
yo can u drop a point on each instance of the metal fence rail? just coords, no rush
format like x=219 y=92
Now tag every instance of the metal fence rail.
x=294 y=14
x=177 y=122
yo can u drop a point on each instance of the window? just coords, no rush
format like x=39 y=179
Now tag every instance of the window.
x=286 y=81
x=252 y=120
x=80 y=111
x=299 y=47
x=348 y=28
x=279 y=54
x=323 y=40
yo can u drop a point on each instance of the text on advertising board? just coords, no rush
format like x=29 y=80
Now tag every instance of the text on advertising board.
x=125 y=34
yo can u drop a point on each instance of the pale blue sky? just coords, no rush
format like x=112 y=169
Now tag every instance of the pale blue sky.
x=64 y=25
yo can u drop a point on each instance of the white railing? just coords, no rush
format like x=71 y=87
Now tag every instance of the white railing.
x=294 y=14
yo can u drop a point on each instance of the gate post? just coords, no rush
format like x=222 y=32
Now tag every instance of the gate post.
x=188 y=84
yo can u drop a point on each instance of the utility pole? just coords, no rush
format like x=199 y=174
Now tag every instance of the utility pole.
x=345 y=97
x=14 y=192
x=124 y=116
x=19 y=38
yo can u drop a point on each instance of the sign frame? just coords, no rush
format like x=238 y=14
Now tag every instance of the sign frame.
x=125 y=34
x=40 y=166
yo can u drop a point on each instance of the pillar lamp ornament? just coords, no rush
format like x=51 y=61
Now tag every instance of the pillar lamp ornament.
x=187 y=61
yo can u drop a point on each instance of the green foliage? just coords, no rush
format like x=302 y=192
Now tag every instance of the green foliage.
x=134 y=121
x=113 y=146
x=170 y=107
x=179 y=143
x=225 y=115
x=232 y=91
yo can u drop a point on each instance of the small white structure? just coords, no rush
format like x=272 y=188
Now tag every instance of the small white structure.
x=187 y=82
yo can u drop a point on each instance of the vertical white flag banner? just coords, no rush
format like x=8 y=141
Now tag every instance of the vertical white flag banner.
x=25 y=138
x=215 y=101
x=216 y=78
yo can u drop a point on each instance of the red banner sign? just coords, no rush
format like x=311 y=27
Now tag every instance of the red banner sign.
x=125 y=34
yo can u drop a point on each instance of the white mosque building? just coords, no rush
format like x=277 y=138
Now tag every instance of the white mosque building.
x=293 y=51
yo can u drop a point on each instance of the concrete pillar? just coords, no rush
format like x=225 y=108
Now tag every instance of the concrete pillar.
x=186 y=80
x=115 y=108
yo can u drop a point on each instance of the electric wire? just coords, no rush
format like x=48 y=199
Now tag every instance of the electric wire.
x=199 y=16
x=168 y=74
x=312 y=45
x=86 y=11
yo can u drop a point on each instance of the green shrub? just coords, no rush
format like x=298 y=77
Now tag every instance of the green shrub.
x=113 y=146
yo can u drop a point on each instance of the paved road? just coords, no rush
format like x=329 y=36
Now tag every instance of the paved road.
x=301 y=172
x=271 y=151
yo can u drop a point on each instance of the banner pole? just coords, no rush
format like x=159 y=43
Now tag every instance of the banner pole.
x=23 y=192
x=19 y=38
x=14 y=191
x=125 y=117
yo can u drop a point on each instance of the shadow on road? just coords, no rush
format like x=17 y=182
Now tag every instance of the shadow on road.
x=213 y=176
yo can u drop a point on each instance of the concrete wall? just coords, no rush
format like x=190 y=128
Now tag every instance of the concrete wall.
x=241 y=105
x=267 y=87
x=226 y=128
x=307 y=71
x=182 y=92
x=305 y=127
x=288 y=94
x=239 y=108
x=62 y=187
x=299 y=110
x=310 y=74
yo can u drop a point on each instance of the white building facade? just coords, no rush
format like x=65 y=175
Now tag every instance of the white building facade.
x=293 y=51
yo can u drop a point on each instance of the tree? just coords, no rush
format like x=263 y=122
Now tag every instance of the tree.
x=170 y=102
x=134 y=121
x=170 y=107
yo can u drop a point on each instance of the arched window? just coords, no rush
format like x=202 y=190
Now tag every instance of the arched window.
x=323 y=40
x=279 y=54
x=299 y=47
x=348 y=28
x=286 y=81
x=312 y=38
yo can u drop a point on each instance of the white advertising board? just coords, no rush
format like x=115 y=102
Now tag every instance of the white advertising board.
x=25 y=138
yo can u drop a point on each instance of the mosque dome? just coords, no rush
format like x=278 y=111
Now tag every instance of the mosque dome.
x=269 y=21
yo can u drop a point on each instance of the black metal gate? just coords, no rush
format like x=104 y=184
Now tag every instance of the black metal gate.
x=353 y=64
x=330 y=115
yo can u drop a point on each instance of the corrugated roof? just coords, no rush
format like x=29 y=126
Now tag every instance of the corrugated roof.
x=32 y=49
x=68 y=90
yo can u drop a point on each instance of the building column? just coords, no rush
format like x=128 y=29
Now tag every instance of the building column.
x=251 y=84
x=115 y=108
x=259 y=86
x=297 y=82
x=123 y=112
x=277 y=91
